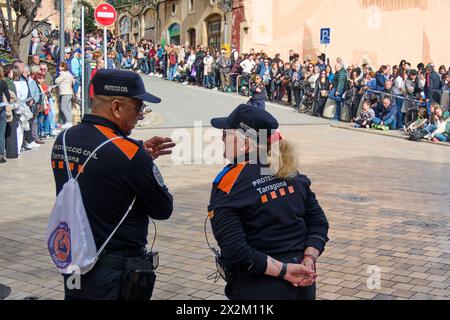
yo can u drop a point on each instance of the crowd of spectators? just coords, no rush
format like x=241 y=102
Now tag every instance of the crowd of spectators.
x=401 y=97
x=389 y=98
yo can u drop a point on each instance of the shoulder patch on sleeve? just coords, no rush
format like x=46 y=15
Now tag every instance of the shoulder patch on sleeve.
x=230 y=177
x=127 y=147
x=158 y=176
x=221 y=174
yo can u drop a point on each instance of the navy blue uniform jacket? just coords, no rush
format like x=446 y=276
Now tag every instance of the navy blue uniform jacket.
x=255 y=215
x=118 y=172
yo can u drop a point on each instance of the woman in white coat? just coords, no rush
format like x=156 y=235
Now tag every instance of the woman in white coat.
x=65 y=82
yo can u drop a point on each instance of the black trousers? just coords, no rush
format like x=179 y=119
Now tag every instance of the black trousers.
x=297 y=96
x=12 y=150
x=199 y=77
x=289 y=93
x=261 y=287
x=318 y=106
x=101 y=283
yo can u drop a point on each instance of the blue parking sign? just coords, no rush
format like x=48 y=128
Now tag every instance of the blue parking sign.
x=325 y=36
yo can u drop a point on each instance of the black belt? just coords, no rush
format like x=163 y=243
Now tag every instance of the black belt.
x=288 y=257
x=128 y=253
x=117 y=259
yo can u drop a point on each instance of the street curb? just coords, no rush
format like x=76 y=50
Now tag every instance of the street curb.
x=382 y=133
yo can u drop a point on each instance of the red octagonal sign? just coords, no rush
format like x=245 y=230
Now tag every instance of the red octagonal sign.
x=105 y=14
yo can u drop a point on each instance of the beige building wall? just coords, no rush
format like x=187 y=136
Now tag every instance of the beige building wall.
x=194 y=18
x=47 y=9
x=72 y=13
x=377 y=31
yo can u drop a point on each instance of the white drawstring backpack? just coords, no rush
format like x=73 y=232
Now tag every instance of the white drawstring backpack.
x=69 y=236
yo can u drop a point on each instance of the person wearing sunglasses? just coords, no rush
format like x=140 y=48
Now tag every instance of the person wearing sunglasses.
x=123 y=169
x=267 y=222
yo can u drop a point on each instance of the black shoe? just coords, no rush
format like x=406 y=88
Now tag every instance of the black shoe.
x=2 y=160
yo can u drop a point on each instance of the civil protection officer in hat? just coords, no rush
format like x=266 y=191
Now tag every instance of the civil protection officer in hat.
x=117 y=173
x=267 y=221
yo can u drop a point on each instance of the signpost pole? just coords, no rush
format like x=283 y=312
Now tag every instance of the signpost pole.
x=82 y=62
x=61 y=31
x=105 y=52
x=105 y=15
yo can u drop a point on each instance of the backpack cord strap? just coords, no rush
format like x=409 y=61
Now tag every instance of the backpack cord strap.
x=114 y=231
x=66 y=159
x=81 y=170
x=93 y=153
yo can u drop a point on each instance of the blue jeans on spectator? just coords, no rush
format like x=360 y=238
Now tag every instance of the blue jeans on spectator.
x=208 y=81
x=77 y=83
x=43 y=124
x=144 y=66
x=172 y=72
x=119 y=58
x=338 y=99
x=391 y=122
x=430 y=128
x=400 y=114
x=51 y=115
x=441 y=137
x=152 y=65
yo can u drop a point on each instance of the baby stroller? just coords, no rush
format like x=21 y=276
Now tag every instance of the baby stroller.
x=307 y=102
x=244 y=86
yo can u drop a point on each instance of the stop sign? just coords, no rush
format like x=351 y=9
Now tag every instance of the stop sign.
x=105 y=14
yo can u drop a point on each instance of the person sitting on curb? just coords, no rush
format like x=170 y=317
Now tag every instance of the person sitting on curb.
x=441 y=134
x=366 y=116
x=420 y=123
x=387 y=119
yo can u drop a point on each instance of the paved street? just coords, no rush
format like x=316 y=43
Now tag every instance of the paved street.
x=387 y=201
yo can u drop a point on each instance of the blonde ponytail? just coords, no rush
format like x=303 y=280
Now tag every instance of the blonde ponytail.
x=283 y=160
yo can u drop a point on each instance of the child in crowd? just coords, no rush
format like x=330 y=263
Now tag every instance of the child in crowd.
x=366 y=116
x=127 y=62
x=420 y=123
x=181 y=73
x=258 y=93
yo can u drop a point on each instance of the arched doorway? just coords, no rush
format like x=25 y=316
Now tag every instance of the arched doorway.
x=150 y=25
x=213 y=28
x=173 y=33
x=191 y=36
x=136 y=30
x=124 y=28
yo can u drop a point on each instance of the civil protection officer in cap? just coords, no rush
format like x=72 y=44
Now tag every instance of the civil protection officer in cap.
x=121 y=170
x=267 y=222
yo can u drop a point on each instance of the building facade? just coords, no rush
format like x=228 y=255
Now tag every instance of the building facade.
x=185 y=22
x=374 y=31
x=196 y=22
x=136 y=19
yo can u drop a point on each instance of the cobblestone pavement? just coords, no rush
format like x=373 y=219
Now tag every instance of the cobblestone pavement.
x=386 y=199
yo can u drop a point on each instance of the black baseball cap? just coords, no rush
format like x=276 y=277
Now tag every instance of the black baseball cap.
x=110 y=82
x=246 y=117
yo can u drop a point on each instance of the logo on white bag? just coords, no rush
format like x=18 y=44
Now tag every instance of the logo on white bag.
x=59 y=246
